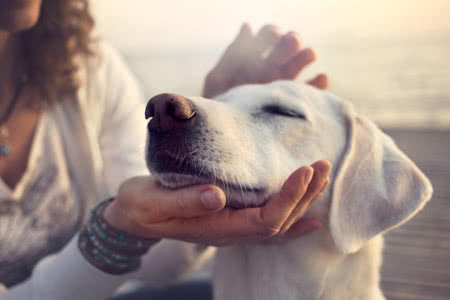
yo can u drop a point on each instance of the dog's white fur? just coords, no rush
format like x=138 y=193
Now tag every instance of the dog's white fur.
x=374 y=187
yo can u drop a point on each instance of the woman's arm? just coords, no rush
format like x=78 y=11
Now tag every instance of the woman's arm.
x=66 y=276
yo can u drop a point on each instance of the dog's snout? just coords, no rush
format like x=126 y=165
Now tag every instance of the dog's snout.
x=169 y=111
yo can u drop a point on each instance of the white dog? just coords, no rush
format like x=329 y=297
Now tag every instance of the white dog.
x=248 y=141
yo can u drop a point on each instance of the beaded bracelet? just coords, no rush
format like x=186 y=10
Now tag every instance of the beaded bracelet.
x=109 y=249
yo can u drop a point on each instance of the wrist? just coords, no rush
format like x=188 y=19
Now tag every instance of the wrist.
x=108 y=248
x=119 y=218
x=115 y=216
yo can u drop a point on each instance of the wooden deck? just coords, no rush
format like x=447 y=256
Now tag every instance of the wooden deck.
x=417 y=255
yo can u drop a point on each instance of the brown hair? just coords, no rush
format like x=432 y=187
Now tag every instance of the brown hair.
x=53 y=44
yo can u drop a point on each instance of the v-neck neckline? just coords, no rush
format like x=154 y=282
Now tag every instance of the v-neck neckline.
x=16 y=193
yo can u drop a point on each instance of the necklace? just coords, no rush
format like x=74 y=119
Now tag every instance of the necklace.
x=5 y=147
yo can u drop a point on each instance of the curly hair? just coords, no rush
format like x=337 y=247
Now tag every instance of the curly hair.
x=52 y=46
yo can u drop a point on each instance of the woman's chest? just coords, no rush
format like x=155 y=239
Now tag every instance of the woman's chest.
x=42 y=211
x=16 y=139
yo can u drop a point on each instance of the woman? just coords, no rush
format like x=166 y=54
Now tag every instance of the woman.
x=71 y=135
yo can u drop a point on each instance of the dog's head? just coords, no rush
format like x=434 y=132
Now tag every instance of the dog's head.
x=249 y=140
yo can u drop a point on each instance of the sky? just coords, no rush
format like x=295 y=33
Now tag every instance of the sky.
x=151 y=24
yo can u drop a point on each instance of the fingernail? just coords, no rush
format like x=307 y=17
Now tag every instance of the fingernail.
x=212 y=199
x=309 y=175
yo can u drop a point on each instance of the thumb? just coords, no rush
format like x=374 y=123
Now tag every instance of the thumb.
x=194 y=201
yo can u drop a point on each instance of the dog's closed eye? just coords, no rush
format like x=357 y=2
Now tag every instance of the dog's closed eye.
x=283 y=111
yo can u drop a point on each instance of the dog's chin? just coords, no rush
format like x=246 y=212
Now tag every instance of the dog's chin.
x=238 y=196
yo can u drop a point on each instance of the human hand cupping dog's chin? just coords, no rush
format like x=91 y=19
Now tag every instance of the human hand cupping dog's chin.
x=198 y=213
x=264 y=57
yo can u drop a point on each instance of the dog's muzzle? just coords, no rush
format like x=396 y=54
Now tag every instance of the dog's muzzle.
x=175 y=130
x=182 y=150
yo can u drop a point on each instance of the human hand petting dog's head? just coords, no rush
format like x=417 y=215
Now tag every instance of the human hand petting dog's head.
x=263 y=57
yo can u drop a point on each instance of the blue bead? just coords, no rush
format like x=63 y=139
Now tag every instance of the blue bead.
x=4 y=150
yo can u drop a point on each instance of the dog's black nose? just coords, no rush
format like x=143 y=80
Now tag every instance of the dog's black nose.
x=169 y=111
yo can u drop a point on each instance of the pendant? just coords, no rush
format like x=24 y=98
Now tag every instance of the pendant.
x=4 y=150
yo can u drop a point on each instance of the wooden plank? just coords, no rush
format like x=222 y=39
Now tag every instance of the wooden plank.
x=417 y=255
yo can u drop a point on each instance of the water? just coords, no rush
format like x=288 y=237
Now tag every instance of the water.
x=396 y=83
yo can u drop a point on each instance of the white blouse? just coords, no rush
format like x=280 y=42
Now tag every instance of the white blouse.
x=82 y=151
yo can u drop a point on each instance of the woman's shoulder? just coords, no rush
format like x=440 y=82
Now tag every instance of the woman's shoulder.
x=105 y=69
x=105 y=60
x=106 y=82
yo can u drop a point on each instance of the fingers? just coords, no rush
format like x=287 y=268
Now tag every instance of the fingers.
x=226 y=226
x=243 y=224
x=278 y=209
x=320 y=81
x=316 y=186
x=244 y=39
x=187 y=202
x=245 y=60
x=224 y=75
x=255 y=45
x=266 y=38
x=295 y=65
x=287 y=47
x=239 y=46
x=182 y=214
x=150 y=202
x=245 y=32
x=287 y=60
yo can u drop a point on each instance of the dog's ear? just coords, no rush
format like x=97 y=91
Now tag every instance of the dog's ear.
x=377 y=187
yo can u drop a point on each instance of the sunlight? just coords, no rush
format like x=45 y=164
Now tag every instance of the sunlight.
x=200 y=23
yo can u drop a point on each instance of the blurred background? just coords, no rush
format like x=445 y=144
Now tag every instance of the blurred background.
x=391 y=58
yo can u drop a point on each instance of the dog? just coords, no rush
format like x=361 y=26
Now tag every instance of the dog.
x=248 y=141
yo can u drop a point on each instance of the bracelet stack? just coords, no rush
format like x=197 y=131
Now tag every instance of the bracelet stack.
x=109 y=249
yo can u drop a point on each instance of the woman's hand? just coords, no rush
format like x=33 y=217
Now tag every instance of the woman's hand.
x=198 y=213
x=261 y=58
